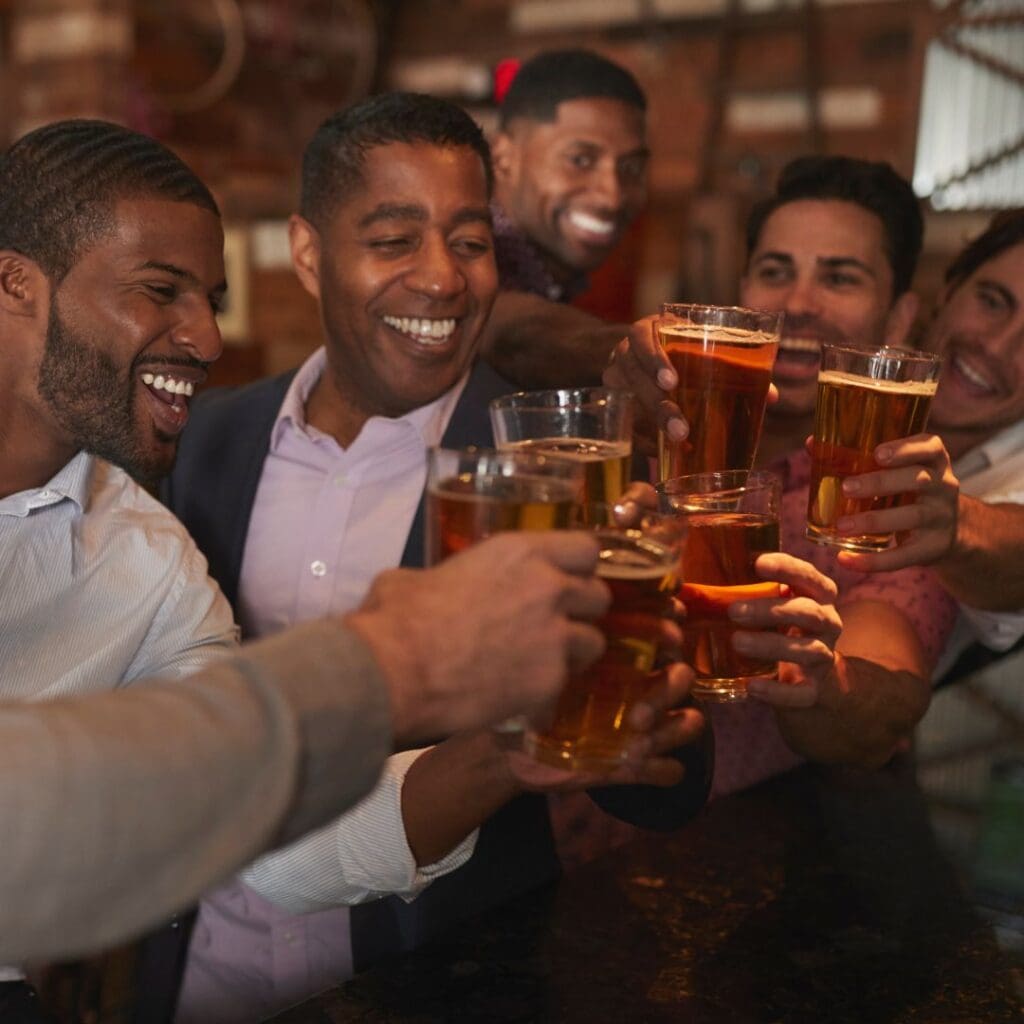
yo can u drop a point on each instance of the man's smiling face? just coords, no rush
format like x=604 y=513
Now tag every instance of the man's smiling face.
x=131 y=332
x=576 y=183
x=405 y=276
x=980 y=331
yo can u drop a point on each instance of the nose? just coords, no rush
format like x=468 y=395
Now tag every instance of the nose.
x=802 y=298
x=435 y=271
x=606 y=185
x=1008 y=342
x=198 y=334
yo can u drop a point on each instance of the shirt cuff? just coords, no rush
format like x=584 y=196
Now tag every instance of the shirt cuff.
x=361 y=856
x=998 y=631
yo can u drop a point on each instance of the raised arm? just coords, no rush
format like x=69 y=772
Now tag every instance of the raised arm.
x=540 y=344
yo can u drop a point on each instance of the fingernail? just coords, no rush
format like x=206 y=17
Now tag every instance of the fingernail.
x=851 y=487
x=666 y=379
x=739 y=610
x=756 y=688
x=642 y=717
x=678 y=430
x=742 y=642
x=883 y=453
x=844 y=524
x=639 y=749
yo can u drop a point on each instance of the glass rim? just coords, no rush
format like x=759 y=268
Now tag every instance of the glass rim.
x=523 y=400
x=775 y=316
x=511 y=457
x=890 y=352
x=754 y=480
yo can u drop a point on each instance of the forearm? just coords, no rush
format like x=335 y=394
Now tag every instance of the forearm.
x=451 y=790
x=866 y=710
x=985 y=568
x=541 y=344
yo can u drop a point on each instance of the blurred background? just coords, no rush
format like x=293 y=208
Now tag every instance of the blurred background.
x=736 y=88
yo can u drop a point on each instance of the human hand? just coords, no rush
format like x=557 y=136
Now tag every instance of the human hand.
x=660 y=726
x=926 y=528
x=489 y=633
x=798 y=629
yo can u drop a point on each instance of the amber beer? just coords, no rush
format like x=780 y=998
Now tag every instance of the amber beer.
x=719 y=556
x=724 y=363
x=605 y=463
x=864 y=399
x=462 y=510
x=731 y=519
x=590 y=729
x=590 y=426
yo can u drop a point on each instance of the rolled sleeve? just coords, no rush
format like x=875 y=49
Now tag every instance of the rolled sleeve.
x=361 y=856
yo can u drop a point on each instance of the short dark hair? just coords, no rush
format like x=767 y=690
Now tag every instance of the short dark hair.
x=874 y=187
x=59 y=185
x=333 y=162
x=555 y=76
x=1005 y=230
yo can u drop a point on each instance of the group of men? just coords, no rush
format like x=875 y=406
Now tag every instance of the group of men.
x=423 y=256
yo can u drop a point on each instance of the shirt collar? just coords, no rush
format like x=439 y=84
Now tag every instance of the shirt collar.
x=429 y=421
x=1007 y=442
x=521 y=266
x=70 y=483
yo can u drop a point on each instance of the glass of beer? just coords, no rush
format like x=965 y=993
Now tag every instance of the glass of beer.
x=865 y=397
x=723 y=356
x=476 y=492
x=731 y=518
x=591 y=426
x=640 y=563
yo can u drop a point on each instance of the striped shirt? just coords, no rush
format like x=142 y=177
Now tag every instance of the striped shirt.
x=100 y=586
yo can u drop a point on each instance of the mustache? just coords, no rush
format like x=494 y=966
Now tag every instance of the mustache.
x=187 y=361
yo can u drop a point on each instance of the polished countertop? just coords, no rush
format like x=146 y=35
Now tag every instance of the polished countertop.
x=819 y=897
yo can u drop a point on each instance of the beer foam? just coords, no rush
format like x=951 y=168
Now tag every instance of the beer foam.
x=719 y=335
x=647 y=562
x=577 y=449
x=921 y=388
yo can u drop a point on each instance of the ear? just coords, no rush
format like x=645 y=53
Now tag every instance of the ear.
x=304 y=241
x=24 y=288
x=504 y=157
x=901 y=319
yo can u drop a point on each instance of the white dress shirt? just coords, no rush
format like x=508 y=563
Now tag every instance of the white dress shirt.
x=326 y=520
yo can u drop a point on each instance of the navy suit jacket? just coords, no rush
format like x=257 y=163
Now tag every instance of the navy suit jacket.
x=212 y=490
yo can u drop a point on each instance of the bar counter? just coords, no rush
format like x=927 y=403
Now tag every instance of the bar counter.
x=819 y=897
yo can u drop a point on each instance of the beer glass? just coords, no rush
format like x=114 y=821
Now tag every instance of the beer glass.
x=476 y=492
x=640 y=564
x=723 y=356
x=731 y=518
x=592 y=426
x=865 y=397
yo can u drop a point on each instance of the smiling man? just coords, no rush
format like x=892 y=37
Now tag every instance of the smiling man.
x=302 y=488
x=835 y=248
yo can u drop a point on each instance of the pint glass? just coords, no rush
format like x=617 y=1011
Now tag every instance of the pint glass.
x=731 y=518
x=640 y=564
x=476 y=492
x=591 y=426
x=724 y=357
x=865 y=397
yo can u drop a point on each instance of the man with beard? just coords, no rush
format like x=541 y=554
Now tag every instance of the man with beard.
x=570 y=176
x=111 y=270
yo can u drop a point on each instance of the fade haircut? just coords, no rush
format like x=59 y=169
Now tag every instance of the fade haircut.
x=334 y=161
x=874 y=187
x=555 y=76
x=1005 y=230
x=60 y=183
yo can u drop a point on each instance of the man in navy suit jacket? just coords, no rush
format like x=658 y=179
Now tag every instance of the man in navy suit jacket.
x=300 y=488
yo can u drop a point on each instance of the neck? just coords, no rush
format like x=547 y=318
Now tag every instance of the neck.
x=783 y=434
x=29 y=452
x=330 y=410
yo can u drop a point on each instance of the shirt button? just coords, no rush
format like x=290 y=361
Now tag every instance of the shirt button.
x=318 y=568
x=45 y=494
x=340 y=480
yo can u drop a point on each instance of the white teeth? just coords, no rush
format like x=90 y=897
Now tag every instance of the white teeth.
x=588 y=222
x=422 y=329
x=800 y=344
x=973 y=376
x=168 y=384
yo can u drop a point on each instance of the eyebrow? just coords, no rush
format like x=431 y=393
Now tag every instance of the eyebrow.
x=183 y=275
x=393 y=211
x=831 y=262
